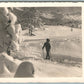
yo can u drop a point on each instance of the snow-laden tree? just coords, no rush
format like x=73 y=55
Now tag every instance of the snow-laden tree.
x=32 y=16
x=10 y=30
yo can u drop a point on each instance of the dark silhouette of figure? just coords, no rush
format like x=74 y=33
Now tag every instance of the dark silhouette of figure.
x=47 y=47
x=31 y=27
x=25 y=69
x=9 y=49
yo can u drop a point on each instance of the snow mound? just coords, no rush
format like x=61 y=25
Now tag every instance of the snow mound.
x=7 y=65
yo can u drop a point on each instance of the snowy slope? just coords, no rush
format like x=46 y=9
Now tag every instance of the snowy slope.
x=66 y=52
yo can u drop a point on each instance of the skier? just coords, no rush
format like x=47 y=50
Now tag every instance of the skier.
x=47 y=47
x=31 y=27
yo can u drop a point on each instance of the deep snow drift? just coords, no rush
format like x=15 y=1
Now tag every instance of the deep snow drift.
x=66 y=53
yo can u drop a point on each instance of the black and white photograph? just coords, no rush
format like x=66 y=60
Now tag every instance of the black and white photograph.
x=40 y=42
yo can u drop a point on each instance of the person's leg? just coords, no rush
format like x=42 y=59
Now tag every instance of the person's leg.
x=49 y=53
x=47 y=56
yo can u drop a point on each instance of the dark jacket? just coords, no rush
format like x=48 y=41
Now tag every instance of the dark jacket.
x=47 y=46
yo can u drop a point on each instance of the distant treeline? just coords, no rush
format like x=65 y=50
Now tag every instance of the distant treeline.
x=70 y=16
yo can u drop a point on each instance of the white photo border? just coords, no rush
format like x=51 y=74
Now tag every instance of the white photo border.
x=48 y=4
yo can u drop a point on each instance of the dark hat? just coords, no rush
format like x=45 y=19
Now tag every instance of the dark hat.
x=47 y=39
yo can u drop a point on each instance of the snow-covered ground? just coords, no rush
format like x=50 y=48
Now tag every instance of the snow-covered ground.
x=66 y=52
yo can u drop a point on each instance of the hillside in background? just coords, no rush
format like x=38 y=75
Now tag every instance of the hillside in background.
x=66 y=16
